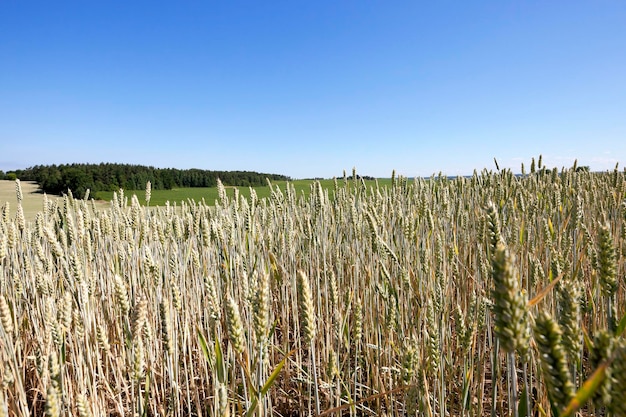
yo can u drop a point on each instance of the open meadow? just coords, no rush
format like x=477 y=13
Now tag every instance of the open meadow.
x=32 y=200
x=210 y=194
x=489 y=295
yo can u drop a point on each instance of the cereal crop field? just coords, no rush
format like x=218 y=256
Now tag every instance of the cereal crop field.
x=32 y=200
x=489 y=295
x=210 y=194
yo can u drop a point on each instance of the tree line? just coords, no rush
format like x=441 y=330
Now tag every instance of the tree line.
x=58 y=179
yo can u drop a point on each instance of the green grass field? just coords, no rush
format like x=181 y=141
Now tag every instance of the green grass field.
x=33 y=198
x=177 y=195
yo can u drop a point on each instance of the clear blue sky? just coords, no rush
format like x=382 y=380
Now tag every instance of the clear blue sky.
x=313 y=88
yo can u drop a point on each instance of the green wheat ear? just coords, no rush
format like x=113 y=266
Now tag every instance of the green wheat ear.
x=607 y=261
x=261 y=304
x=305 y=305
x=603 y=346
x=493 y=226
x=166 y=327
x=607 y=271
x=568 y=296
x=618 y=388
x=234 y=325
x=509 y=304
x=553 y=362
x=52 y=406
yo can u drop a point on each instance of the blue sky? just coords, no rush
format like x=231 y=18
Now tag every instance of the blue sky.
x=313 y=88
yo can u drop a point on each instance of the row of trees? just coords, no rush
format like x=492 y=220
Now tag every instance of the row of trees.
x=58 y=179
x=8 y=176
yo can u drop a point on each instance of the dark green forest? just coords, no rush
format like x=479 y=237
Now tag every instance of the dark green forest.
x=58 y=179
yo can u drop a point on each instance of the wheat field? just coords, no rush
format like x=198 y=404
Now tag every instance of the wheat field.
x=32 y=199
x=493 y=294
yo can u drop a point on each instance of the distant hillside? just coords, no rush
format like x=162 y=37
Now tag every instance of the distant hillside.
x=58 y=179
